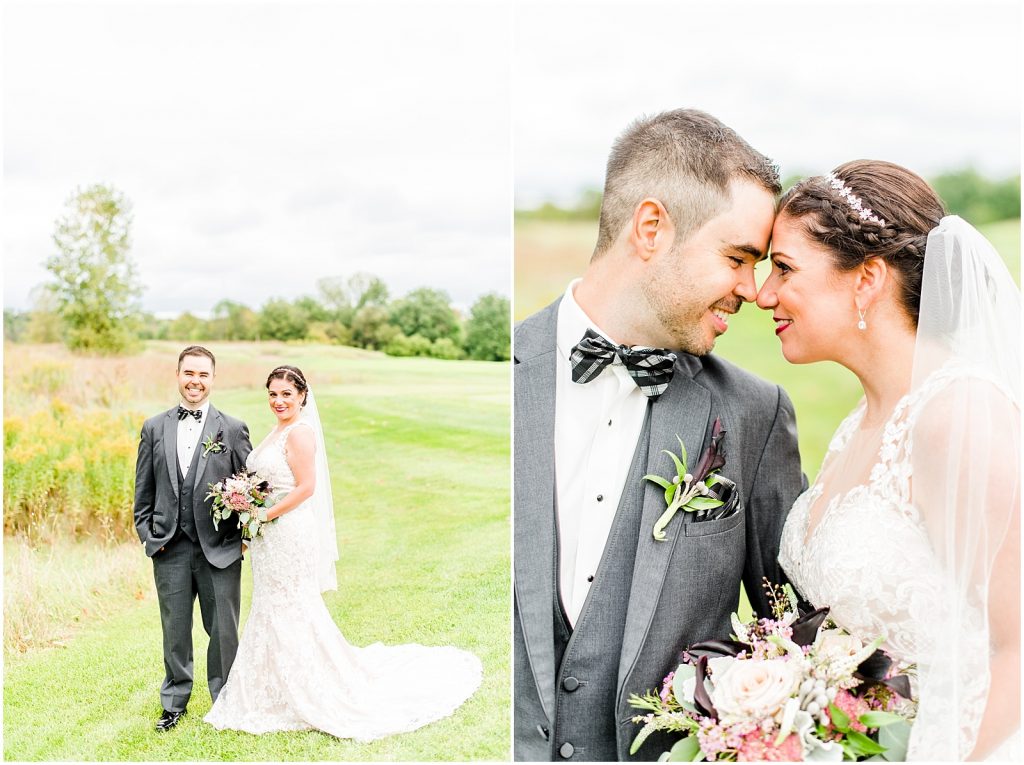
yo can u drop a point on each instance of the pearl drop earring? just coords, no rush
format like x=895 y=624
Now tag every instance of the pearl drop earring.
x=861 y=325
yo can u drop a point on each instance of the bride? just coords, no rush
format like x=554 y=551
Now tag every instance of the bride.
x=912 y=529
x=294 y=670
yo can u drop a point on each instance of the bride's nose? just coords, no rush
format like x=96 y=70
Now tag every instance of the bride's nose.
x=766 y=297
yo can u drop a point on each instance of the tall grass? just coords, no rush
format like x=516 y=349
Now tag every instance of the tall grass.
x=52 y=589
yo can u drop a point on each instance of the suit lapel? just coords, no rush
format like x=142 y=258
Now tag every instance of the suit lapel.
x=684 y=410
x=171 y=447
x=210 y=428
x=535 y=376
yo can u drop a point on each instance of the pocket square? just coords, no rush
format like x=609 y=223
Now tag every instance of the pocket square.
x=725 y=491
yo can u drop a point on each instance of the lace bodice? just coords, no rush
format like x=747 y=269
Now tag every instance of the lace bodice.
x=270 y=460
x=871 y=560
x=869 y=557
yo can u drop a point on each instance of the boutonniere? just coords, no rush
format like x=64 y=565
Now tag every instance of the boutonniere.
x=691 y=492
x=213 y=443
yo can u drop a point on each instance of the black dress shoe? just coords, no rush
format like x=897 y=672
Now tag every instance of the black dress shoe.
x=168 y=720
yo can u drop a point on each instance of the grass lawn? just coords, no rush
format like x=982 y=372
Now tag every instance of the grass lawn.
x=419 y=453
x=549 y=254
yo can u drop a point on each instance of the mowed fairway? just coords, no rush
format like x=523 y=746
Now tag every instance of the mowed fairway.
x=549 y=254
x=419 y=454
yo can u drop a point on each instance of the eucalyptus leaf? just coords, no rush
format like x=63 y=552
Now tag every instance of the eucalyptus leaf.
x=895 y=738
x=243 y=517
x=684 y=750
x=254 y=528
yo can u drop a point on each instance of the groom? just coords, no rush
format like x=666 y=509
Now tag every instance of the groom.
x=181 y=451
x=602 y=608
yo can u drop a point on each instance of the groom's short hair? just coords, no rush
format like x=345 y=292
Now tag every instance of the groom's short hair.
x=686 y=159
x=197 y=350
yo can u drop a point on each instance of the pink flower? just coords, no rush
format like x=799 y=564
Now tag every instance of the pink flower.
x=853 y=707
x=758 y=747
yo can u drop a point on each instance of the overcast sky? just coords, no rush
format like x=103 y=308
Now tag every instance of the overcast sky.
x=930 y=85
x=265 y=145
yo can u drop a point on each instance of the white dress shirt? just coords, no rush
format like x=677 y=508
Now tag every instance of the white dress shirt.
x=597 y=425
x=189 y=432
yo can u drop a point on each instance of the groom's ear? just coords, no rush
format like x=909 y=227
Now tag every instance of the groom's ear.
x=651 y=229
x=869 y=284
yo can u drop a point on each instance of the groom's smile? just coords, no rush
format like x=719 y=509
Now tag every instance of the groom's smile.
x=195 y=380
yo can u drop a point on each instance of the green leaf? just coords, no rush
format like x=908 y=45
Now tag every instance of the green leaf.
x=711 y=480
x=895 y=738
x=662 y=482
x=671 y=494
x=254 y=527
x=879 y=719
x=683 y=673
x=684 y=750
x=864 y=744
x=680 y=466
x=704 y=503
x=243 y=517
x=840 y=720
x=682 y=451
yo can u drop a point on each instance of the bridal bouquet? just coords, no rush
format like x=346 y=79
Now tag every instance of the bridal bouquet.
x=245 y=495
x=790 y=688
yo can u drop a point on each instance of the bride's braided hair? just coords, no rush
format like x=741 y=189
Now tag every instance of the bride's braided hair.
x=294 y=376
x=905 y=203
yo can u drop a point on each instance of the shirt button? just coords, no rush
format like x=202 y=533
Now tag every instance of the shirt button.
x=600 y=497
x=609 y=422
x=566 y=750
x=590 y=578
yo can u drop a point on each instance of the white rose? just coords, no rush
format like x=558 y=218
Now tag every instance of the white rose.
x=834 y=647
x=754 y=689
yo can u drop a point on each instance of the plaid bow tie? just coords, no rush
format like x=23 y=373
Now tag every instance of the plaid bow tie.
x=183 y=413
x=650 y=368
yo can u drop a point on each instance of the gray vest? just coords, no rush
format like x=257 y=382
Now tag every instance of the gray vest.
x=587 y=657
x=186 y=509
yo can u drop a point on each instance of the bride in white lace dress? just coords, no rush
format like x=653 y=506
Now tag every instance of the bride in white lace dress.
x=294 y=670
x=911 y=531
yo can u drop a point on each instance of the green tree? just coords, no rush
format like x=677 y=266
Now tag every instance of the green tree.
x=978 y=199
x=236 y=321
x=366 y=289
x=15 y=323
x=487 y=330
x=281 y=320
x=334 y=296
x=96 y=285
x=371 y=328
x=426 y=312
x=186 y=327
x=313 y=310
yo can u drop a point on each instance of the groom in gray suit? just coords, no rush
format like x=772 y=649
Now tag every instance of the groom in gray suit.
x=602 y=608
x=181 y=451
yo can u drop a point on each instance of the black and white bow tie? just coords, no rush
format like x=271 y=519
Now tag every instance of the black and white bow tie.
x=183 y=413
x=650 y=368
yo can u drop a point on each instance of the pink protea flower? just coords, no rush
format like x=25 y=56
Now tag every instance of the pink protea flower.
x=238 y=501
x=853 y=707
x=757 y=747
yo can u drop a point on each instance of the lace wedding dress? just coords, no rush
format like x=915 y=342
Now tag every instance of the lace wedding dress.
x=871 y=558
x=295 y=671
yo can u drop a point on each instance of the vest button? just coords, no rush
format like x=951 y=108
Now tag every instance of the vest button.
x=570 y=684
x=566 y=750
x=543 y=732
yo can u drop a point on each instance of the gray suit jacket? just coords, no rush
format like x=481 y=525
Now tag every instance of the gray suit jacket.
x=683 y=589
x=156 y=483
